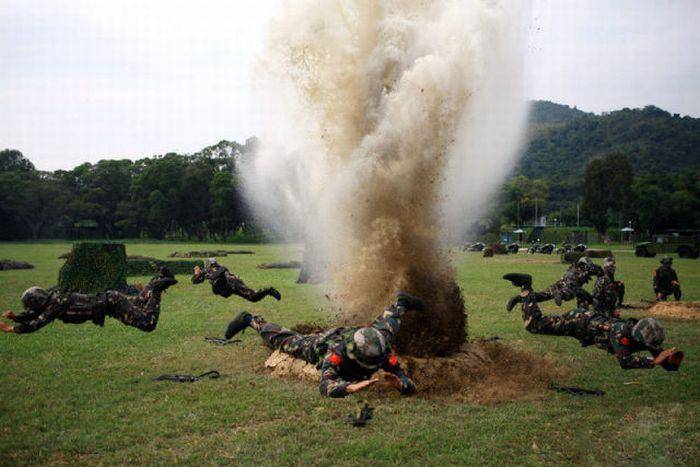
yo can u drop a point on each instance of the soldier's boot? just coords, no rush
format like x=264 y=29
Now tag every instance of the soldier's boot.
x=163 y=281
x=409 y=301
x=242 y=321
x=273 y=292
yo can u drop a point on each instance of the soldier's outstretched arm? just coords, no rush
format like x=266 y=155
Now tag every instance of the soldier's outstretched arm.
x=41 y=320
x=393 y=366
x=629 y=360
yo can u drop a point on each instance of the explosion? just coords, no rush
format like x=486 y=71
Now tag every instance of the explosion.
x=391 y=122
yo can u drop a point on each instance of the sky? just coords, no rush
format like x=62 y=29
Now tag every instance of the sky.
x=85 y=80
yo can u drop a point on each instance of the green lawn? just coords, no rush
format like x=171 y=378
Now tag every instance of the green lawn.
x=84 y=394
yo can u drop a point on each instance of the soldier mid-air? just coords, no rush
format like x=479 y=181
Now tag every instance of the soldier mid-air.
x=623 y=338
x=225 y=283
x=608 y=293
x=347 y=357
x=665 y=281
x=42 y=307
x=570 y=286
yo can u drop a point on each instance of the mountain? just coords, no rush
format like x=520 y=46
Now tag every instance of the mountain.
x=563 y=140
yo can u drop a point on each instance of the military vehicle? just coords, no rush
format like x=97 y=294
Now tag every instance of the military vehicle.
x=686 y=243
x=478 y=246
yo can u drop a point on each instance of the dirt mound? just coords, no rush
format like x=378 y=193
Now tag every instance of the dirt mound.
x=678 y=310
x=481 y=372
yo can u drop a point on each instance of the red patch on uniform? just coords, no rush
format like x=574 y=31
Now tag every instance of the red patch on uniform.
x=393 y=361
x=335 y=359
x=624 y=341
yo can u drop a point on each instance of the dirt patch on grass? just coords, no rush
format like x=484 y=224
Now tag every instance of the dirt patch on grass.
x=678 y=310
x=481 y=372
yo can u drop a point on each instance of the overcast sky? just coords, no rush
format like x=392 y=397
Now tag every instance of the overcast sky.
x=84 y=80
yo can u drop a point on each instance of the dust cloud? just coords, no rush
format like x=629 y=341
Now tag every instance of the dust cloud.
x=390 y=125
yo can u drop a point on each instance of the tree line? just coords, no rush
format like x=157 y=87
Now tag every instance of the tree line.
x=195 y=196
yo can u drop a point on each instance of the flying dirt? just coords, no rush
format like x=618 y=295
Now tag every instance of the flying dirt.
x=391 y=123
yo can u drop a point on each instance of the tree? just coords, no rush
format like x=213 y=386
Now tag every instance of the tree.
x=14 y=160
x=607 y=190
x=595 y=197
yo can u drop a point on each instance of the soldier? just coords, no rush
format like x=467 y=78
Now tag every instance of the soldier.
x=665 y=281
x=570 y=286
x=225 y=283
x=347 y=357
x=41 y=307
x=607 y=292
x=623 y=338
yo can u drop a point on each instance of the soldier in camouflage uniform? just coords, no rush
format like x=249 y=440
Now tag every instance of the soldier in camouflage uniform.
x=570 y=286
x=225 y=283
x=42 y=307
x=347 y=357
x=665 y=281
x=622 y=338
x=607 y=292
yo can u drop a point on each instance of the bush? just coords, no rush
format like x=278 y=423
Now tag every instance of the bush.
x=94 y=267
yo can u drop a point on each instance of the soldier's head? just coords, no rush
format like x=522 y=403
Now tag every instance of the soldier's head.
x=368 y=348
x=211 y=263
x=649 y=332
x=609 y=264
x=34 y=298
x=666 y=261
x=584 y=262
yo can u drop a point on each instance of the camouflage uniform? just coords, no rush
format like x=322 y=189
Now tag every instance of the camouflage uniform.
x=140 y=311
x=331 y=351
x=666 y=283
x=591 y=328
x=567 y=288
x=608 y=293
x=225 y=284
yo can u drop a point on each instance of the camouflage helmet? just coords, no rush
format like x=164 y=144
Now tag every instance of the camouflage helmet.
x=667 y=260
x=368 y=347
x=585 y=262
x=34 y=297
x=609 y=262
x=649 y=332
x=211 y=263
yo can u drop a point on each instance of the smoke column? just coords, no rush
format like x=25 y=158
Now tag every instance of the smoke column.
x=391 y=123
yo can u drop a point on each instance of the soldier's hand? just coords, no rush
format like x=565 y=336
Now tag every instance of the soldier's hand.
x=356 y=387
x=6 y=327
x=664 y=355
x=393 y=381
x=197 y=270
x=8 y=314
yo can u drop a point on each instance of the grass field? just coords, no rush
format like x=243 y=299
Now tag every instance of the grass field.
x=83 y=394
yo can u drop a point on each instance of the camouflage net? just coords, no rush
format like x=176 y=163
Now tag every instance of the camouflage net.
x=94 y=267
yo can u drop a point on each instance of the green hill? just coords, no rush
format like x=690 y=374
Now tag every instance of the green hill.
x=562 y=140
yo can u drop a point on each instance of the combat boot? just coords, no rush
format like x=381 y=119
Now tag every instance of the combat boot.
x=163 y=281
x=409 y=301
x=242 y=321
x=273 y=292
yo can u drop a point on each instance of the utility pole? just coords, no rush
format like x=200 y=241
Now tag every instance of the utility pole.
x=578 y=215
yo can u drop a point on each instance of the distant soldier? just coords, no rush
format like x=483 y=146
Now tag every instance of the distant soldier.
x=570 y=286
x=42 y=307
x=347 y=357
x=225 y=283
x=665 y=281
x=608 y=293
x=622 y=338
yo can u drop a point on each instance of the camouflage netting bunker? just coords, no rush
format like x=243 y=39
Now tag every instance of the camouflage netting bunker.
x=94 y=267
